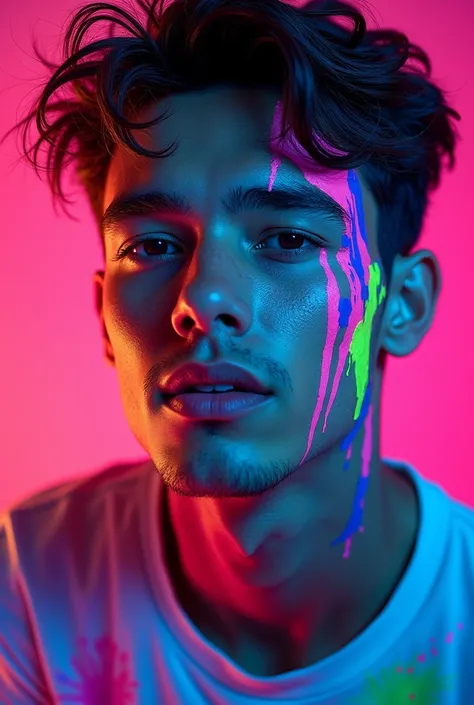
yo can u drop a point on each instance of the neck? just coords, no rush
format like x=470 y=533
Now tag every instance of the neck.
x=259 y=574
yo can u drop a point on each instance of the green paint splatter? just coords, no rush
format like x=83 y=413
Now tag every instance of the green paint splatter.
x=399 y=686
x=359 y=349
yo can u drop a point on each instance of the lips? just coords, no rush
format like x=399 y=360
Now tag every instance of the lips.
x=212 y=389
x=224 y=406
x=212 y=379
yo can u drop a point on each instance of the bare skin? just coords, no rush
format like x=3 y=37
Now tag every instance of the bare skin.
x=313 y=621
x=248 y=527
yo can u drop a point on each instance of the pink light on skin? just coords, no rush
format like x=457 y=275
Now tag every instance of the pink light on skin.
x=356 y=339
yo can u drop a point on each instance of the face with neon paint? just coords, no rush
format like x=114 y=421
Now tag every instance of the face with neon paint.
x=294 y=295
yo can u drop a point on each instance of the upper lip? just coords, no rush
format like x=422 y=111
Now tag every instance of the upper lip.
x=193 y=374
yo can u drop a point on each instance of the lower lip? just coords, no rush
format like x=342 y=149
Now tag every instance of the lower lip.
x=215 y=406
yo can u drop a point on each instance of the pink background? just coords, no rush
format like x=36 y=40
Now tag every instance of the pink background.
x=60 y=410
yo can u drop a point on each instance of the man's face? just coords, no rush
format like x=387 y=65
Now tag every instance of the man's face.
x=216 y=285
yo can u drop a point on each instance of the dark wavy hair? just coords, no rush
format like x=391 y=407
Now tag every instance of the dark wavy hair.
x=367 y=93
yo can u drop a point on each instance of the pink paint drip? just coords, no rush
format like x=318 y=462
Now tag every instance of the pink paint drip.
x=347 y=548
x=356 y=315
x=367 y=443
x=331 y=334
x=275 y=163
x=335 y=184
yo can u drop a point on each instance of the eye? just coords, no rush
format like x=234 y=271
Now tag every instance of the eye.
x=155 y=248
x=289 y=243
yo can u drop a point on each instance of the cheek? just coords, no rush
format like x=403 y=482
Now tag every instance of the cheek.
x=331 y=343
x=294 y=311
x=129 y=314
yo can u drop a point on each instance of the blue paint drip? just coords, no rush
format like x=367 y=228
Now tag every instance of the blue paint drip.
x=356 y=259
x=364 y=410
x=345 y=309
x=345 y=241
x=355 y=519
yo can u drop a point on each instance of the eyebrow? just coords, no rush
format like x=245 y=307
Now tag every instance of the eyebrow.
x=291 y=198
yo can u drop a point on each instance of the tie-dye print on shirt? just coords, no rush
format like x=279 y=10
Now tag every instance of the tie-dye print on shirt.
x=101 y=675
x=418 y=681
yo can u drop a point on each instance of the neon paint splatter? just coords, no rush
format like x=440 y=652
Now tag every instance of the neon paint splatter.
x=355 y=315
x=360 y=343
x=332 y=330
x=393 y=687
x=421 y=684
x=100 y=680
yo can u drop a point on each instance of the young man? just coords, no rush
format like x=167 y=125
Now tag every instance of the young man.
x=258 y=216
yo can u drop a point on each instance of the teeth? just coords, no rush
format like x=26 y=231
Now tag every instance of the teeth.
x=214 y=388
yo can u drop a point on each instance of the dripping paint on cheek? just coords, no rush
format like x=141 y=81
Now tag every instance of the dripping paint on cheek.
x=355 y=314
x=353 y=258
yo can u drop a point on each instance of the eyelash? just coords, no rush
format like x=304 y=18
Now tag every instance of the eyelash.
x=288 y=254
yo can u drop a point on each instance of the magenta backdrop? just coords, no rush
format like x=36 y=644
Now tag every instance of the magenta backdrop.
x=61 y=413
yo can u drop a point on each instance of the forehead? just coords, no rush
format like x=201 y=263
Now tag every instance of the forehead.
x=221 y=137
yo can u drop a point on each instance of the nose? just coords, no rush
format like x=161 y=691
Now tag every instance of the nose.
x=215 y=294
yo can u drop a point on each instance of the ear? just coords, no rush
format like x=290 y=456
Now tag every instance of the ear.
x=411 y=302
x=98 y=284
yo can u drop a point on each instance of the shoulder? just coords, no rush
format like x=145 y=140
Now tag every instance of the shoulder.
x=61 y=510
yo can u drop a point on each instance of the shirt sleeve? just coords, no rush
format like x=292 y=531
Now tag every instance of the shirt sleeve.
x=23 y=678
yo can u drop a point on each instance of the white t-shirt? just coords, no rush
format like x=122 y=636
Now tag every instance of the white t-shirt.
x=88 y=615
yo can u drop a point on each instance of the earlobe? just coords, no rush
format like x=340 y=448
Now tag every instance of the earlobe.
x=98 y=284
x=396 y=337
x=109 y=357
x=393 y=324
x=411 y=305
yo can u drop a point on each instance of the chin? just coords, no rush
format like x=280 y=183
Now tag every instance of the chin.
x=219 y=474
